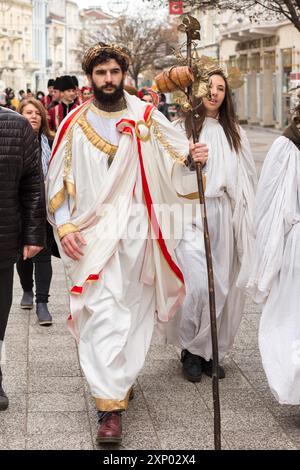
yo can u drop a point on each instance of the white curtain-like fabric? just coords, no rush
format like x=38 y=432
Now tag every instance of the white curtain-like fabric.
x=275 y=280
x=230 y=187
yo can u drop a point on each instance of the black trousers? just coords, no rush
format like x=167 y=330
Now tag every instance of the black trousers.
x=42 y=270
x=42 y=274
x=6 y=289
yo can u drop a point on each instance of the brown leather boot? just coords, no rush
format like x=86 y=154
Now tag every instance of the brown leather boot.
x=110 y=429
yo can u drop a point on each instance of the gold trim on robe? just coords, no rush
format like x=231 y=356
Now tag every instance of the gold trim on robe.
x=194 y=195
x=66 y=229
x=95 y=139
x=59 y=197
x=104 y=404
x=166 y=145
x=106 y=114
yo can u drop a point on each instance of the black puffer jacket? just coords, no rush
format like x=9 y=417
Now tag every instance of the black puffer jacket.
x=22 y=199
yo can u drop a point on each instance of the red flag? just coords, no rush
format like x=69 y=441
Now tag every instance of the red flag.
x=176 y=8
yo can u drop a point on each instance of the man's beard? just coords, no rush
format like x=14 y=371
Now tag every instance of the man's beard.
x=108 y=98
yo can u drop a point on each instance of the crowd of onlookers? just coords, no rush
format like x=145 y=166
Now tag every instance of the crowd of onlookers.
x=65 y=90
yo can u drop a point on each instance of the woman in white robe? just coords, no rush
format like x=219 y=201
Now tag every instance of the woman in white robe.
x=275 y=280
x=230 y=183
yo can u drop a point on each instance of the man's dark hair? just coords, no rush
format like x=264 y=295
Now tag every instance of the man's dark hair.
x=105 y=56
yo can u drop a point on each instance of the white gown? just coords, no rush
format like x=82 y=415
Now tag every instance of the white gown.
x=230 y=185
x=127 y=272
x=275 y=280
x=111 y=321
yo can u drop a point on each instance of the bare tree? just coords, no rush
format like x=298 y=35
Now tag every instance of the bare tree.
x=146 y=40
x=255 y=9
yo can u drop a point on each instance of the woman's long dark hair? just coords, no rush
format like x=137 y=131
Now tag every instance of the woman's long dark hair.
x=227 y=118
x=297 y=114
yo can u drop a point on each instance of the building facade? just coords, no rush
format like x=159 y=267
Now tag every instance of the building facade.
x=268 y=54
x=17 y=65
x=40 y=42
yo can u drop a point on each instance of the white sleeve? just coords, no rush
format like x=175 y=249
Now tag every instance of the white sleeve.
x=62 y=215
x=243 y=215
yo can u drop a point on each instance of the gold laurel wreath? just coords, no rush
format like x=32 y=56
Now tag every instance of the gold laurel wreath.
x=95 y=50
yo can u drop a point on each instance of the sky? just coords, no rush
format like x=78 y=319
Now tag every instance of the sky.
x=111 y=6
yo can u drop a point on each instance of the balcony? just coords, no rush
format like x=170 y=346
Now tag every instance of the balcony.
x=15 y=35
x=3 y=33
x=31 y=65
x=248 y=32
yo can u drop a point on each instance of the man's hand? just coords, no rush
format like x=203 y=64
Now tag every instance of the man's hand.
x=29 y=251
x=71 y=245
x=199 y=153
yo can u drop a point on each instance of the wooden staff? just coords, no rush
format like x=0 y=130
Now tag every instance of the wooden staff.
x=191 y=32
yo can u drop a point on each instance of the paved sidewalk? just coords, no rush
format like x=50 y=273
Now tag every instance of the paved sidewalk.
x=51 y=408
x=261 y=140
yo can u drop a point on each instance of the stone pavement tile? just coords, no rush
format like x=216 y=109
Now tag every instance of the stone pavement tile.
x=231 y=399
x=245 y=356
x=192 y=417
x=140 y=441
x=55 y=368
x=16 y=350
x=233 y=380
x=254 y=321
x=291 y=426
x=246 y=340
x=278 y=410
x=12 y=443
x=251 y=308
x=188 y=439
x=17 y=320
x=69 y=385
x=15 y=384
x=16 y=369
x=56 y=329
x=16 y=330
x=163 y=381
x=57 y=423
x=169 y=405
x=17 y=403
x=241 y=419
x=161 y=352
x=157 y=339
x=137 y=420
x=270 y=439
x=249 y=366
x=291 y=422
x=51 y=348
x=76 y=441
x=41 y=343
x=12 y=424
x=56 y=402
x=257 y=379
x=161 y=367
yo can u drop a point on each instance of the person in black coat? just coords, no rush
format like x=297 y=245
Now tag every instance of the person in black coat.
x=34 y=111
x=22 y=208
